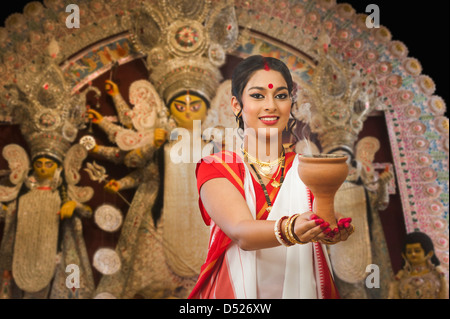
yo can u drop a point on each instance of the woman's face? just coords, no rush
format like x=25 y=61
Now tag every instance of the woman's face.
x=188 y=108
x=266 y=102
x=44 y=168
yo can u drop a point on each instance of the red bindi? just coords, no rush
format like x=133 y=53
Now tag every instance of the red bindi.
x=270 y=85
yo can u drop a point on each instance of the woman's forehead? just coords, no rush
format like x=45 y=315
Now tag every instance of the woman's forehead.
x=263 y=78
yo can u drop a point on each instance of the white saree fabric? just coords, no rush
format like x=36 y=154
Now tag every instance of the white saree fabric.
x=279 y=272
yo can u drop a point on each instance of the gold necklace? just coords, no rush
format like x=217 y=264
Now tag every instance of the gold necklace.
x=264 y=167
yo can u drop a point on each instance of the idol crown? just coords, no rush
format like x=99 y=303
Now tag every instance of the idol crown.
x=49 y=114
x=185 y=42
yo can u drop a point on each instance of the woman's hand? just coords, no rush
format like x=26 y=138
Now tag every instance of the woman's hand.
x=309 y=228
x=340 y=233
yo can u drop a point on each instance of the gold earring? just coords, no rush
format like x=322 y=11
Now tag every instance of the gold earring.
x=238 y=116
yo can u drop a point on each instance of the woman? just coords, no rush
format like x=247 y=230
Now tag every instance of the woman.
x=265 y=242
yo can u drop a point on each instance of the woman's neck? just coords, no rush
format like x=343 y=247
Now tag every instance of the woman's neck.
x=265 y=149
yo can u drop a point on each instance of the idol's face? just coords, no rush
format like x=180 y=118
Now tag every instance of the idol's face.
x=44 y=168
x=188 y=108
x=266 y=102
x=415 y=254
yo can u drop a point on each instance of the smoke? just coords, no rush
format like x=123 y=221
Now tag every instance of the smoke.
x=302 y=112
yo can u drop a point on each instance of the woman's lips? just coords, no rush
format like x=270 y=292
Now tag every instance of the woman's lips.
x=269 y=120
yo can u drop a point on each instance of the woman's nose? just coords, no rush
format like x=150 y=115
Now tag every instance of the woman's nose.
x=271 y=104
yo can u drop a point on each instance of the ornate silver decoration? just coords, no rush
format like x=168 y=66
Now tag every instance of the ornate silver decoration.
x=106 y=261
x=108 y=218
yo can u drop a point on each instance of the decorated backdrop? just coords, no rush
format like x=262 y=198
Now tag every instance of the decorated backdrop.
x=356 y=83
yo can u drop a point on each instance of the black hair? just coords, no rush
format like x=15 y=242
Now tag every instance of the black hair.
x=426 y=243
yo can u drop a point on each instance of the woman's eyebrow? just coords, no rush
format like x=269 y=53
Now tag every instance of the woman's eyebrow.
x=262 y=88
x=256 y=88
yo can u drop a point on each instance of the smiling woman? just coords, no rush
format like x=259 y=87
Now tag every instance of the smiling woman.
x=267 y=226
x=265 y=108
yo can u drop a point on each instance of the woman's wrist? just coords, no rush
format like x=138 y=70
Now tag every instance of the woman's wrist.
x=280 y=224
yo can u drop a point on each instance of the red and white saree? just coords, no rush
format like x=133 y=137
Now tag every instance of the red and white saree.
x=300 y=271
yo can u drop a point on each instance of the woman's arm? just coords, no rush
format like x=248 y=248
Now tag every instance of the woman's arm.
x=229 y=211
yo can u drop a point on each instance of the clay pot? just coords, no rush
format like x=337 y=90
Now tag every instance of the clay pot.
x=323 y=174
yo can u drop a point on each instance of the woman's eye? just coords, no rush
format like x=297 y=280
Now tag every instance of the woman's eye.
x=282 y=96
x=257 y=96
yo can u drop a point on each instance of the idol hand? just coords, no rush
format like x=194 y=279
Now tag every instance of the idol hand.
x=112 y=186
x=160 y=136
x=111 y=88
x=67 y=209
x=95 y=116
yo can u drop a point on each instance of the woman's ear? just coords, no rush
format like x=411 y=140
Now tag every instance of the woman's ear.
x=235 y=105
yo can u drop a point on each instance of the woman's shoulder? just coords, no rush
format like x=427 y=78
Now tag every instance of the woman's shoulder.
x=226 y=162
x=222 y=157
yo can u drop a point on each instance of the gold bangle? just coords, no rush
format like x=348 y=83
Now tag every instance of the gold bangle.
x=290 y=229
x=286 y=232
x=279 y=233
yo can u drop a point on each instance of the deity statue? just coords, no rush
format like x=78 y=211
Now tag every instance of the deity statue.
x=335 y=107
x=184 y=77
x=43 y=226
x=159 y=267
x=43 y=250
x=362 y=196
x=421 y=277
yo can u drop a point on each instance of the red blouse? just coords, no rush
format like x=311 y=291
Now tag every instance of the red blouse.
x=228 y=165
